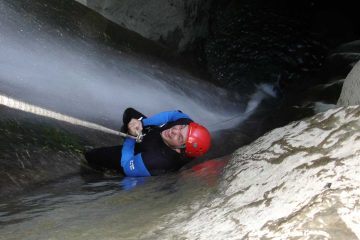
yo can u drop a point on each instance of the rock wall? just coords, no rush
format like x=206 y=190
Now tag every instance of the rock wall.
x=34 y=151
x=350 y=91
x=299 y=181
x=174 y=23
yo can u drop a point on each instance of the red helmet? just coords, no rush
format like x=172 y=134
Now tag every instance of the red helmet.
x=198 y=141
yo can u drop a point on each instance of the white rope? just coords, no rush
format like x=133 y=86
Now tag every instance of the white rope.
x=22 y=106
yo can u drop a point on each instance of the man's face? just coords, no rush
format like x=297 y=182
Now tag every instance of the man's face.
x=176 y=136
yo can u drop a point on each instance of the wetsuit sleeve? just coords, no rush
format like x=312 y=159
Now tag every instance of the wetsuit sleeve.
x=133 y=165
x=163 y=118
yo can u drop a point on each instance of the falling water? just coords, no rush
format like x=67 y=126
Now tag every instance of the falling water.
x=52 y=67
x=48 y=66
x=299 y=181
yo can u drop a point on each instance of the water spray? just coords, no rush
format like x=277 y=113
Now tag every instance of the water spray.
x=26 y=107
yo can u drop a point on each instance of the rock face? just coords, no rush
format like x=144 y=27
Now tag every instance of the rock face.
x=175 y=23
x=350 y=91
x=296 y=182
x=38 y=150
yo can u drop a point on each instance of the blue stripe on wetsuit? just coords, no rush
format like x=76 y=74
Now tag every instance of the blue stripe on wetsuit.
x=133 y=165
x=163 y=118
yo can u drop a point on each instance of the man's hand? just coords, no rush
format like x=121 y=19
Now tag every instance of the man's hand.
x=135 y=127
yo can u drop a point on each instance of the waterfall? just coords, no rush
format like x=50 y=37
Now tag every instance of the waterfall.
x=48 y=66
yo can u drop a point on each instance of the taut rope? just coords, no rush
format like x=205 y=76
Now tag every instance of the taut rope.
x=22 y=106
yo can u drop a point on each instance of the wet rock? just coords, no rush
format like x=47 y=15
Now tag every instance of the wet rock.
x=175 y=23
x=350 y=90
x=298 y=181
x=35 y=151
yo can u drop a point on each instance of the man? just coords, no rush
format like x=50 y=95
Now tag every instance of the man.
x=171 y=139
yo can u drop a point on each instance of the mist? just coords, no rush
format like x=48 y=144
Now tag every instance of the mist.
x=51 y=68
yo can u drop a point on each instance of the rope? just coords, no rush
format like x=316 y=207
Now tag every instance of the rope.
x=22 y=106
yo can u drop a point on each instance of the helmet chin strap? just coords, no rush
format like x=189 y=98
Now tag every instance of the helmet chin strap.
x=180 y=149
x=177 y=149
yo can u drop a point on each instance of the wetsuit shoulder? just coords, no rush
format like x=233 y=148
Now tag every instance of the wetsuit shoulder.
x=163 y=118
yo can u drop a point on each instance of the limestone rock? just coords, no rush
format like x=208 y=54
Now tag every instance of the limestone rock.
x=175 y=23
x=350 y=91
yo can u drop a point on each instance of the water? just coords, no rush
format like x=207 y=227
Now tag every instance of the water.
x=58 y=64
x=71 y=209
x=61 y=64
x=299 y=181
x=49 y=66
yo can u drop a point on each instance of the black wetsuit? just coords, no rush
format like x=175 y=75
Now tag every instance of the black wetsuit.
x=150 y=157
